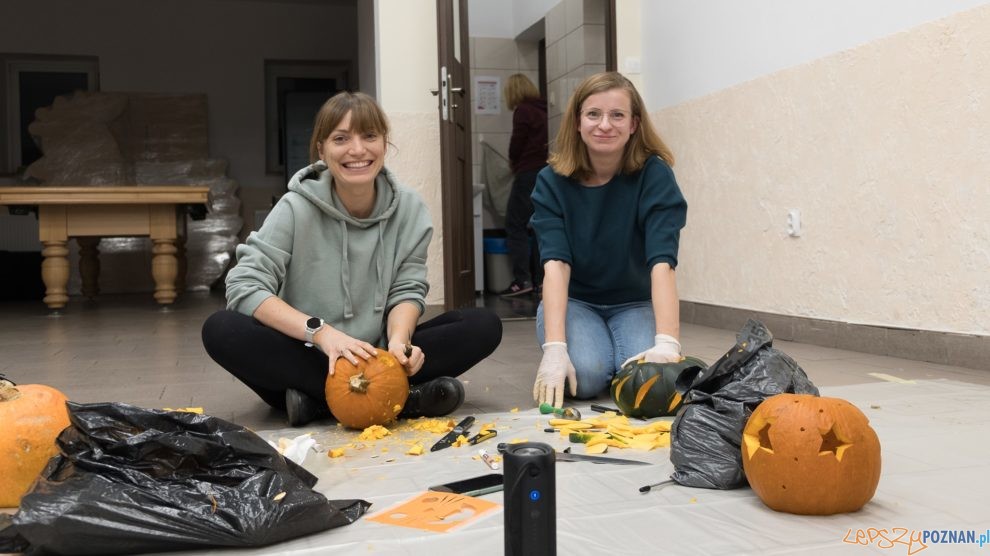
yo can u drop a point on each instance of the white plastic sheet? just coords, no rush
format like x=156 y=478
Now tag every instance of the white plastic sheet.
x=936 y=460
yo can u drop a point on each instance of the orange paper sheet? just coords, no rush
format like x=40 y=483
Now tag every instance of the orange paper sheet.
x=438 y=512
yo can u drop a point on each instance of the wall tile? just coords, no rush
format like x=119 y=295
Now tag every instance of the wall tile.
x=556 y=23
x=494 y=53
x=594 y=44
x=575 y=14
x=556 y=60
x=594 y=11
x=574 y=47
x=529 y=56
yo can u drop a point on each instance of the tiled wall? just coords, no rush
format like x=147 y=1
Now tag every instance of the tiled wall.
x=497 y=57
x=575 y=37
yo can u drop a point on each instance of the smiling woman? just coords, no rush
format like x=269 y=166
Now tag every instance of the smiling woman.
x=337 y=270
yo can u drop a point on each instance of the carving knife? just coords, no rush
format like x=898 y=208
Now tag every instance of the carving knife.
x=451 y=436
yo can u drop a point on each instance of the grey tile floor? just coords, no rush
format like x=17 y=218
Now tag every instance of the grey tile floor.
x=124 y=348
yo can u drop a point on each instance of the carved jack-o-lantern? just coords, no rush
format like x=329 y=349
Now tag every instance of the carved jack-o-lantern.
x=810 y=455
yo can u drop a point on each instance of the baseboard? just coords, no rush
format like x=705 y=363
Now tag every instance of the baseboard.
x=958 y=350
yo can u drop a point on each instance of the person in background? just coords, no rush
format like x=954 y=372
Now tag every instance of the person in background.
x=338 y=268
x=608 y=215
x=527 y=155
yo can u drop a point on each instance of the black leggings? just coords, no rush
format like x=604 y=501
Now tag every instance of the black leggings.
x=269 y=362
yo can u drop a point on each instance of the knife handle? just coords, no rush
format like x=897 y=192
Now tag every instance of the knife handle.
x=465 y=424
x=482 y=436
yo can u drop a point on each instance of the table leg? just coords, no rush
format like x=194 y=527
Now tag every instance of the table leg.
x=55 y=273
x=180 y=279
x=89 y=265
x=164 y=268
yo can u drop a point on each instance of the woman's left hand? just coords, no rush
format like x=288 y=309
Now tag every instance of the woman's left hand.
x=411 y=357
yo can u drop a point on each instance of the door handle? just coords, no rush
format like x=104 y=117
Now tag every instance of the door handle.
x=458 y=90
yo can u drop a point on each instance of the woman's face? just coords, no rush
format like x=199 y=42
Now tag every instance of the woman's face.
x=606 y=122
x=354 y=158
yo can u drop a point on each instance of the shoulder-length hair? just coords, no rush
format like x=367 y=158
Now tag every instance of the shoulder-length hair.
x=366 y=116
x=518 y=88
x=569 y=155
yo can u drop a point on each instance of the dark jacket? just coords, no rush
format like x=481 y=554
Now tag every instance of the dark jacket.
x=528 y=145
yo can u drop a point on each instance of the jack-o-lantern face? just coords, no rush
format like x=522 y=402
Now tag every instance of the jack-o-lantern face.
x=810 y=455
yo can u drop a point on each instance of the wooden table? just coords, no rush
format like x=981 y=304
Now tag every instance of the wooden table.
x=88 y=213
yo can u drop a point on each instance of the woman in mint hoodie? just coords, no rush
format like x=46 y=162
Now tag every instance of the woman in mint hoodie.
x=338 y=268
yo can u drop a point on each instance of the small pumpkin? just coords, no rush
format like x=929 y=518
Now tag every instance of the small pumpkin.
x=644 y=389
x=31 y=417
x=809 y=455
x=372 y=392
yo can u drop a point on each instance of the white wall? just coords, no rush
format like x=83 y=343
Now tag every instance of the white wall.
x=698 y=47
x=407 y=69
x=880 y=142
x=217 y=47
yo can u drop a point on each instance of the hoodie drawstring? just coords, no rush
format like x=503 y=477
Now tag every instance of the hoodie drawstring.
x=345 y=271
x=379 y=266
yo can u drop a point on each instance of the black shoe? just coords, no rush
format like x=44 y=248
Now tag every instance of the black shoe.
x=436 y=398
x=517 y=288
x=302 y=409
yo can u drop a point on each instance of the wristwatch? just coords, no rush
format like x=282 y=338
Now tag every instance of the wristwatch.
x=313 y=325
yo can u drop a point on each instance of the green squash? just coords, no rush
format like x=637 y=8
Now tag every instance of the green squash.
x=642 y=389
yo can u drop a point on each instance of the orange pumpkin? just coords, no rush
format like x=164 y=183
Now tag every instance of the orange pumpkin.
x=809 y=455
x=372 y=392
x=31 y=417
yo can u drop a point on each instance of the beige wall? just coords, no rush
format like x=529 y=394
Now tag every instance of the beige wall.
x=883 y=148
x=407 y=69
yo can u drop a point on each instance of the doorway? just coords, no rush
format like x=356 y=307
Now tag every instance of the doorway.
x=564 y=43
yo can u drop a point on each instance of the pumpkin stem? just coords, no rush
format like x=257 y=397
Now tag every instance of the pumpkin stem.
x=358 y=383
x=8 y=391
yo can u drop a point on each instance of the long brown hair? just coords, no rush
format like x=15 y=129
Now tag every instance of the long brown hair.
x=366 y=116
x=569 y=154
x=518 y=88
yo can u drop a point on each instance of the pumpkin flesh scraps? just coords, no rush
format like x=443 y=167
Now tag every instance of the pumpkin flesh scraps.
x=809 y=455
x=614 y=431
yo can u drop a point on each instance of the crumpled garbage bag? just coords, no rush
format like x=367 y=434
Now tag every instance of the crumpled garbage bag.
x=706 y=435
x=131 y=480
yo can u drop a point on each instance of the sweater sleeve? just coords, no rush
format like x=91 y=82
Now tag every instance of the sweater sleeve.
x=261 y=262
x=548 y=218
x=662 y=213
x=410 y=283
x=520 y=135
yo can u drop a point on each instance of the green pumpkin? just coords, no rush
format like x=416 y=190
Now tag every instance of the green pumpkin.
x=642 y=389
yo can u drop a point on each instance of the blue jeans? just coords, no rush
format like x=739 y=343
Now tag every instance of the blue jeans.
x=600 y=338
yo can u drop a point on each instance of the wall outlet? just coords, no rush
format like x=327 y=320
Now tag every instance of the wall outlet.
x=794 y=223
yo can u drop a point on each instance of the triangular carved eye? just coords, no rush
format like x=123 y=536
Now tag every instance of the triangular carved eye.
x=831 y=443
x=765 y=437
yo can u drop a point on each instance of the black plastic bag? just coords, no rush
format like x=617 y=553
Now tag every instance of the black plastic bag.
x=131 y=480
x=706 y=435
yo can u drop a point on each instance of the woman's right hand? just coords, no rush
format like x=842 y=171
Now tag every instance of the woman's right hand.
x=336 y=344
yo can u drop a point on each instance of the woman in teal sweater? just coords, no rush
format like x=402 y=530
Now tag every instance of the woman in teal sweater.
x=608 y=215
x=337 y=269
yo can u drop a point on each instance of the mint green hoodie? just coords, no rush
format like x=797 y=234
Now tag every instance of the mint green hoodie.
x=326 y=263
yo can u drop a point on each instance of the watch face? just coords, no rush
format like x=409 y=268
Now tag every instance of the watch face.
x=313 y=323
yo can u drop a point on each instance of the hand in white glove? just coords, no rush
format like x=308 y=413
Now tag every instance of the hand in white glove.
x=666 y=350
x=555 y=367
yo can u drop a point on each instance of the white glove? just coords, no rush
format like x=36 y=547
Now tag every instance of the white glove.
x=555 y=367
x=666 y=350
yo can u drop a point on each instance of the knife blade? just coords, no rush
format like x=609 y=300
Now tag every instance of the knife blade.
x=568 y=456
x=451 y=436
